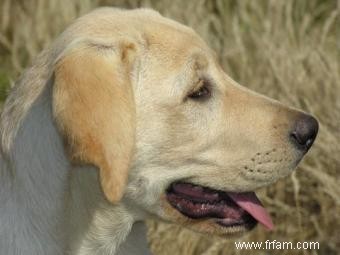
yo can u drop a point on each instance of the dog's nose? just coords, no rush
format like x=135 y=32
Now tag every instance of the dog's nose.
x=304 y=132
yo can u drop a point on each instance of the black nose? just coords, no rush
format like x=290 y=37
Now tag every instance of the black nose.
x=304 y=132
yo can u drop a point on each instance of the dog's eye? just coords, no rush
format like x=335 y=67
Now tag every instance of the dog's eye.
x=202 y=93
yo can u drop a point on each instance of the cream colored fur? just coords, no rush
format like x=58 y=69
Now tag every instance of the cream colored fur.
x=100 y=125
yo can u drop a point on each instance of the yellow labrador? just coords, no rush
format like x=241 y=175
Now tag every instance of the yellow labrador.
x=128 y=115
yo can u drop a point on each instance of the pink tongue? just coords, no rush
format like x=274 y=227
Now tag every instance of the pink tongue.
x=249 y=202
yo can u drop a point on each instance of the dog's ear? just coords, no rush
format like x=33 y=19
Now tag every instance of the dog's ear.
x=93 y=106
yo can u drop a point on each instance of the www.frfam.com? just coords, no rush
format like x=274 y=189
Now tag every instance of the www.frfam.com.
x=276 y=245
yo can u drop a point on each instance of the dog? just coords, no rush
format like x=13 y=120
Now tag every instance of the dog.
x=129 y=116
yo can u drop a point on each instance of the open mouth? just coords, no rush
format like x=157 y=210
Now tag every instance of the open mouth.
x=229 y=209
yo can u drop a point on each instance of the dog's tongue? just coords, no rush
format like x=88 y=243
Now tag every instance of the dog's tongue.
x=249 y=202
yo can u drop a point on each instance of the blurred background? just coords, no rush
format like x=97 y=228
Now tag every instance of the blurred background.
x=285 y=49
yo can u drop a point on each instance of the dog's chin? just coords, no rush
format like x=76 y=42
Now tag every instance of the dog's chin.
x=211 y=211
x=209 y=225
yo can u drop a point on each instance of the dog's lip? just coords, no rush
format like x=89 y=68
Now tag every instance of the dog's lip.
x=229 y=208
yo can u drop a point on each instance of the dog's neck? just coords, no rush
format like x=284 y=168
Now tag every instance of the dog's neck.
x=136 y=242
x=97 y=227
x=49 y=207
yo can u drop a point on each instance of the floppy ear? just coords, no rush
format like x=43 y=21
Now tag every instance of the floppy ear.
x=94 y=109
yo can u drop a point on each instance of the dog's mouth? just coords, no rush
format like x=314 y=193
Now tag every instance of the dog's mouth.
x=228 y=209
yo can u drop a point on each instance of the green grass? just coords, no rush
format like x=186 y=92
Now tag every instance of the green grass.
x=4 y=85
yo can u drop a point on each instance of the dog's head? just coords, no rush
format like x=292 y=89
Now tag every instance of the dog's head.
x=144 y=99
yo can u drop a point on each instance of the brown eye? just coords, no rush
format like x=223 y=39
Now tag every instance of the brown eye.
x=202 y=93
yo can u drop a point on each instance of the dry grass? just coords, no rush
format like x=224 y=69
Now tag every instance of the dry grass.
x=286 y=49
